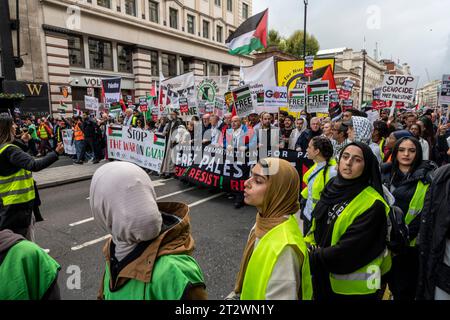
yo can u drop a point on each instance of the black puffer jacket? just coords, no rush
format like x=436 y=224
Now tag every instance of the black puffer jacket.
x=405 y=189
x=434 y=232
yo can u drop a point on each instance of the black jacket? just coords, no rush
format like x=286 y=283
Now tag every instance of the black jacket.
x=305 y=137
x=434 y=232
x=90 y=129
x=18 y=217
x=404 y=192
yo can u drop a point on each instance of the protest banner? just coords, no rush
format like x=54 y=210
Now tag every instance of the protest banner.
x=347 y=104
x=309 y=66
x=111 y=90
x=141 y=147
x=91 y=103
x=208 y=88
x=69 y=146
x=291 y=72
x=212 y=167
x=243 y=101
x=373 y=115
x=335 y=110
x=172 y=89
x=274 y=99
x=346 y=90
x=143 y=104
x=317 y=97
x=229 y=101
x=399 y=88
x=297 y=100
x=379 y=104
x=219 y=107
x=262 y=73
x=444 y=94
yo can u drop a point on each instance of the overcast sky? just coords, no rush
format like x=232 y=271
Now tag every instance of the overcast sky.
x=416 y=32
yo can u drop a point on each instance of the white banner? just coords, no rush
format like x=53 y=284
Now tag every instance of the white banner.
x=263 y=72
x=69 y=147
x=182 y=86
x=399 y=88
x=444 y=96
x=274 y=98
x=140 y=147
x=91 y=103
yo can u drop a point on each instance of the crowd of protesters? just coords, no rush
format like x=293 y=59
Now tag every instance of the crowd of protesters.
x=376 y=197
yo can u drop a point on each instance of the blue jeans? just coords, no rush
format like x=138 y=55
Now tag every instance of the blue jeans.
x=79 y=146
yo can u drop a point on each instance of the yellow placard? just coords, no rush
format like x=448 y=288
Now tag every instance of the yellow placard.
x=289 y=71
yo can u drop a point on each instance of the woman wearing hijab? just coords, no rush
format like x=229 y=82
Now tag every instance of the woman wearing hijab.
x=320 y=150
x=149 y=255
x=275 y=263
x=407 y=178
x=360 y=129
x=348 y=238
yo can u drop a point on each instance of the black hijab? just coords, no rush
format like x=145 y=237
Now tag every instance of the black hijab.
x=339 y=189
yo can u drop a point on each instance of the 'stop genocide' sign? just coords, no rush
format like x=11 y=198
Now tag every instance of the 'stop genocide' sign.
x=399 y=88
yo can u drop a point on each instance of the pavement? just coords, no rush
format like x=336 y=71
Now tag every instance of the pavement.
x=55 y=176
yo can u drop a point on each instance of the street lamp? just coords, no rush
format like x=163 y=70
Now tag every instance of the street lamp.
x=304 y=30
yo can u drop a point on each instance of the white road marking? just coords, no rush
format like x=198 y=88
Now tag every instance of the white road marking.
x=159 y=198
x=175 y=193
x=89 y=243
x=81 y=222
x=205 y=200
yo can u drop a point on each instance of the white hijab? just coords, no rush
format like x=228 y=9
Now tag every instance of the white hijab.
x=123 y=203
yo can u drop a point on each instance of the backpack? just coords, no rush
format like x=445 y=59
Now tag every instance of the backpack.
x=398 y=232
x=397 y=239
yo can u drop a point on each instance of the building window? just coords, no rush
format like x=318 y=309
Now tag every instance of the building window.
x=245 y=11
x=219 y=34
x=130 y=7
x=230 y=5
x=173 y=18
x=185 y=64
x=205 y=29
x=154 y=11
x=191 y=24
x=213 y=69
x=154 y=63
x=125 y=58
x=100 y=54
x=104 y=3
x=169 y=65
x=76 y=58
x=217 y=2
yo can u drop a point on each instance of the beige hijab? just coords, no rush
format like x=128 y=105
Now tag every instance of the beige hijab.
x=280 y=201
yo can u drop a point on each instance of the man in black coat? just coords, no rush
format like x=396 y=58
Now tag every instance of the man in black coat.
x=308 y=134
x=92 y=136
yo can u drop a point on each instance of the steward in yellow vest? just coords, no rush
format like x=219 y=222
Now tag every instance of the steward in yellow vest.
x=275 y=263
x=17 y=189
x=408 y=178
x=347 y=241
x=320 y=150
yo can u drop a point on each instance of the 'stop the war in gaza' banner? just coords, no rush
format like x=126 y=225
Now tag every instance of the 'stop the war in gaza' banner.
x=140 y=147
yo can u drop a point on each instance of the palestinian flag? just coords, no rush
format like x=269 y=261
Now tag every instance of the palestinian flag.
x=251 y=35
x=319 y=88
x=159 y=140
x=115 y=132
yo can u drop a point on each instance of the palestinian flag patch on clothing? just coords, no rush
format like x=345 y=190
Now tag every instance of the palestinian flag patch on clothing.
x=250 y=36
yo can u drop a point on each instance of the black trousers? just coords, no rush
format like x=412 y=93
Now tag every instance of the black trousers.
x=402 y=278
x=93 y=144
